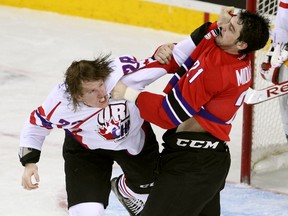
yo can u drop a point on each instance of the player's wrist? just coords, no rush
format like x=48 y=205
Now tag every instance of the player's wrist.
x=29 y=155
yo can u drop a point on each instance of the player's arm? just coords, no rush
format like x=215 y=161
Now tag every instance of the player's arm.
x=31 y=140
x=170 y=110
x=173 y=55
x=35 y=129
x=183 y=102
x=181 y=59
x=154 y=110
x=182 y=50
x=29 y=154
x=182 y=53
x=139 y=74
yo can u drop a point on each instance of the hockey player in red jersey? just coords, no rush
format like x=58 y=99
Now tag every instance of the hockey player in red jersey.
x=275 y=68
x=198 y=109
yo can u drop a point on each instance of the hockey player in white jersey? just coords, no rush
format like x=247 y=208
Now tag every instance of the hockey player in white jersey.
x=275 y=68
x=98 y=131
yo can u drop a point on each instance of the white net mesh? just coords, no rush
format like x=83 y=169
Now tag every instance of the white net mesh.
x=267 y=6
x=268 y=133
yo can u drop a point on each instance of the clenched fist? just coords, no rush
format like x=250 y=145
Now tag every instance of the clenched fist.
x=164 y=53
x=121 y=91
x=118 y=91
x=225 y=15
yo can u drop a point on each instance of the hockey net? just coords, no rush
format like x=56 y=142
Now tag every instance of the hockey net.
x=268 y=142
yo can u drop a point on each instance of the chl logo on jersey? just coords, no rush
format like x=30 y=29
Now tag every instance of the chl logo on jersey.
x=197 y=143
x=114 y=122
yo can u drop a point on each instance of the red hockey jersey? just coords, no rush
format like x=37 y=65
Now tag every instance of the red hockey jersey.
x=211 y=91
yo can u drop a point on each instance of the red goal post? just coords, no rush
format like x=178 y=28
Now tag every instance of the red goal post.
x=263 y=133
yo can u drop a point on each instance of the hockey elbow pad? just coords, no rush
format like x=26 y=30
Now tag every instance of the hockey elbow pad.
x=198 y=34
x=29 y=155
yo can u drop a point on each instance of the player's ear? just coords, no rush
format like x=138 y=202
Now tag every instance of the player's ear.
x=241 y=45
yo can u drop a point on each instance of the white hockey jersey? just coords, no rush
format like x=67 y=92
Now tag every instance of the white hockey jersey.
x=116 y=127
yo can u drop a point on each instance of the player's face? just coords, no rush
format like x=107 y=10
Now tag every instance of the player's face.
x=94 y=94
x=227 y=40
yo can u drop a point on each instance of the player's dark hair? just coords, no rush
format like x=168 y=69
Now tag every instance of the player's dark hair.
x=85 y=70
x=255 y=30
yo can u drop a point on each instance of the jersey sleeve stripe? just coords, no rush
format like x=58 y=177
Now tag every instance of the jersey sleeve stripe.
x=189 y=111
x=53 y=110
x=32 y=118
x=178 y=109
x=174 y=80
x=177 y=76
x=207 y=115
x=170 y=112
x=188 y=63
x=44 y=123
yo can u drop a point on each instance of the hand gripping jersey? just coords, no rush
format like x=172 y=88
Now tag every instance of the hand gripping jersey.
x=116 y=127
x=211 y=91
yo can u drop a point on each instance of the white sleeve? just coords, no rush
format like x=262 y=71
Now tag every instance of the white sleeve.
x=148 y=74
x=33 y=136
x=138 y=74
x=143 y=77
x=133 y=73
x=38 y=125
x=183 y=50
